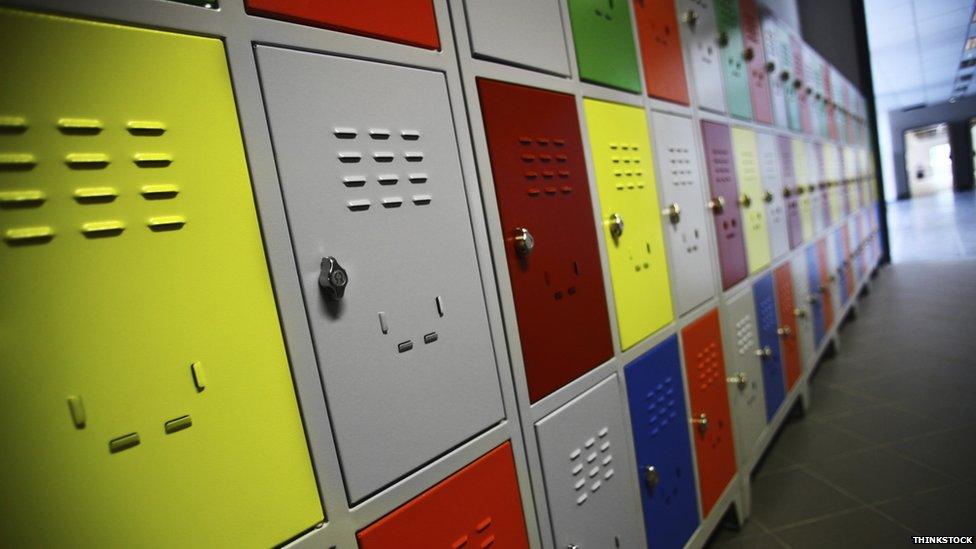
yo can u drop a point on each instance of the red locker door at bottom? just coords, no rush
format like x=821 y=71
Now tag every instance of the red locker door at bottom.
x=788 y=333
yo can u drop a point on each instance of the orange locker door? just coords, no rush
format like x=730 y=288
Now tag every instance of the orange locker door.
x=660 y=44
x=787 y=331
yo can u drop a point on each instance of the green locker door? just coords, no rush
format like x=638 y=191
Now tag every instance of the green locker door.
x=148 y=396
x=734 y=66
x=605 y=51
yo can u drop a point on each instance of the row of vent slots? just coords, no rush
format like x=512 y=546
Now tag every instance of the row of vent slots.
x=45 y=233
x=384 y=157
x=82 y=126
x=380 y=134
x=132 y=440
x=79 y=161
x=86 y=195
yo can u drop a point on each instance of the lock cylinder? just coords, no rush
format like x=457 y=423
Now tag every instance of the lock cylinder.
x=332 y=279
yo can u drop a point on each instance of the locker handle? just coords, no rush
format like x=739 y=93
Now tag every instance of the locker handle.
x=332 y=279
x=784 y=332
x=745 y=200
x=770 y=66
x=787 y=191
x=701 y=421
x=739 y=379
x=524 y=242
x=723 y=39
x=717 y=205
x=748 y=54
x=784 y=76
x=673 y=212
x=690 y=17
x=812 y=299
x=651 y=477
x=800 y=313
x=767 y=196
x=616 y=225
x=765 y=352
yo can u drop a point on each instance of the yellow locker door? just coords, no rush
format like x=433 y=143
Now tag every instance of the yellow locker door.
x=631 y=218
x=803 y=184
x=144 y=379
x=832 y=167
x=850 y=179
x=751 y=197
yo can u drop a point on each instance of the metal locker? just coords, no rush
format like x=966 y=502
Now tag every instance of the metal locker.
x=840 y=183
x=142 y=350
x=745 y=376
x=788 y=330
x=845 y=277
x=772 y=180
x=768 y=328
x=701 y=343
x=856 y=239
x=803 y=309
x=528 y=34
x=800 y=83
x=835 y=290
x=816 y=189
x=660 y=45
x=791 y=191
x=547 y=218
x=830 y=102
x=630 y=217
x=604 y=42
x=588 y=476
x=803 y=185
x=773 y=51
x=832 y=176
x=754 y=55
x=734 y=68
x=406 y=21
x=788 y=76
x=814 y=67
x=816 y=293
x=478 y=506
x=372 y=189
x=850 y=181
x=699 y=37
x=658 y=416
x=750 y=198
x=846 y=94
x=823 y=211
x=724 y=202
x=684 y=213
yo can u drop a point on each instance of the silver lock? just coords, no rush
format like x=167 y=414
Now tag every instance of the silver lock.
x=739 y=379
x=673 y=212
x=764 y=352
x=332 y=279
x=616 y=225
x=524 y=242
x=717 y=205
x=701 y=421
x=690 y=17
x=800 y=313
x=745 y=200
x=784 y=332
x=651 y=477
x=748 y=54
x=767 y=196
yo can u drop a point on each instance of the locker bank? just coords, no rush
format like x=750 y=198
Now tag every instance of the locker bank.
x=414 y=273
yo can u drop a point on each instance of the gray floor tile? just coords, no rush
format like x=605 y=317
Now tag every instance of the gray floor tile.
x=947 y=511
x=863 y=528
x=826 y=401
x=878 y=474
x=763 y=541
x=809 y=440
x=951 y=452
x=886 y=424
x=784 y=498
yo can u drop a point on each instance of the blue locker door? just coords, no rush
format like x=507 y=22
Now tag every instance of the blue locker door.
x=774 y=387
x=816 y=306
x=658 y=413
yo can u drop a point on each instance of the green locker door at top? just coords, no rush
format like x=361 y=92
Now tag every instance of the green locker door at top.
x=733 y=65
x=605 y=51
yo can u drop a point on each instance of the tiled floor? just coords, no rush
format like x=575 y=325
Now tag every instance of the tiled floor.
x=933 y=228
x=887 y=450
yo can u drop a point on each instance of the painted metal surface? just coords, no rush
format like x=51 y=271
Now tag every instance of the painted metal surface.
x=790 y=191
x=756 y=233
x=527 y=34
x=604 y=42
x=789 y=330
x=660 y=46
x=734 y=68
x=772 y=176
x=767 y=325
x=804 y=188
x=773 y=50
x=755 y=58
x=699 y=37
x=744 y=375
x=724 y=202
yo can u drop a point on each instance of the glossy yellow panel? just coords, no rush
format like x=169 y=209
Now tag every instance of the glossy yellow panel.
x=803 y=182
x=833 y=177
x=134 y=255
x=624 y=170
x=751 y=198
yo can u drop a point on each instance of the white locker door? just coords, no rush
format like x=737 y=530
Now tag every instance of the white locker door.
x=769 y=168
x=744 y=374
x=699 y=36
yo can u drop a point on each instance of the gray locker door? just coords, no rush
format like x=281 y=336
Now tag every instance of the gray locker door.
x=837 y=296
x=520 y=32
x=773 y=50
x=744 y=371
x=684 y=209
x=769 y=168
x=699 y=36
x=371 y=176
x=589 y=479
x=815 y=175
x=801 y=300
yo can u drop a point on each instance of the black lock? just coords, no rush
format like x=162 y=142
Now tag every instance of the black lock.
x=333 y=279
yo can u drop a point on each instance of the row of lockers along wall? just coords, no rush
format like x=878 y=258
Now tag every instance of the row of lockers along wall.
x=140 y=195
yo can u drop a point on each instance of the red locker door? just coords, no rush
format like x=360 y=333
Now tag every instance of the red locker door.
x=406 y=21
x=826 y=300
x=479 y=506
x=542 y=191
x=709 y=406
x=783 y=279
x=752 y=39
x=664 y=67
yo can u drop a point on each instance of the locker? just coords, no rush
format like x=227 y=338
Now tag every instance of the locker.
x=750 y=198
x=800 y=83
x=768 y=329
x=817 y=189
x=701 y=343
x=660 y=45
x=629 y=208
x=814 y=90
x=745 y=376
x=372 y=188
x=846 y=274
x=788 y=330
x=850 y=181
x=755 y=58
x=790 y=191
x=823 y=211
x=684 y=213
x=863 y=166
x=832 y=176
x=409 y=22
x=827 y=297
x=734 y=68
x=478 y=506
x=840 y=184
x=528 y=34
x=772 y=180
x=773 y=50
x=803 y=309
x=846 y=94
x=543 y=195
x=803 y=184
x=655 y=393
x=588 y=476
x=145 y=385
x=830 y=102
x=724 y=202
x=699 y=36
x=817 y=293
x=834 y=288
x=604 y=43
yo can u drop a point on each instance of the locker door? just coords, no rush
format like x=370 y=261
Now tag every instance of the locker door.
x=819 y=109
x=542 y=191
x=817 y=293
x=371 y=181
x=745 y=377
x=790 y=191
x=684 y=211
x=755 y=58
x=701 y=343
x=788 y=76
x=817 y=188
x=528 y=34
x=841 y=183
x=808 y=90
x=846 y=97
x=478 y=506
x=588 y=477
x=772 y=49
x=788 y=330
x=724 y=202
x=655 y=392
x=772 y=180
x=134 y=184
x=831 y=105
x=834 y=289
x=850 y=181
x=699 y=36
x=832 y=170
x=734 y=69
x=768 y=328
x=604 y=43
x=750 y=197
x=801 y=169
x=844 y=274
x=803 y=308
x=800 y=83
x=406 y=21
x=631 y=222
x=823 y=213
x=660 y=44
x=856 y=257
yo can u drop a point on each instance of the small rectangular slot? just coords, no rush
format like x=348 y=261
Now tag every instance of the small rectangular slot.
x=392 y=202
x=417 y=178
x=387 y=179
x=596 y=486
x=487 y=542
x=28 y=234
x=199 y=376
x=379 y=133
x=483 y=525
x=152 y=160
x=77 y=408
x=160 y=191
x=430 y=338
x=84 y=126
x=440 y=305
x=95 y=194
x=410 y=135
x=581 y=499
x=608 y=474
x=17 y=161
x=103 y=228
x=421 y=199
x=359 y=204
x=383 y=156
x=123 y=442
x=146 y=127
x=13 y=124
x=405 y=346
x=349 y=157
x=354 y=180
x=384 y=327
x=87 y=160
x=345 y=133
x=413 y=156
x=177 y=424
x=576 y=269
x=579 y=484
x=28 y=197
x=166 y=222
